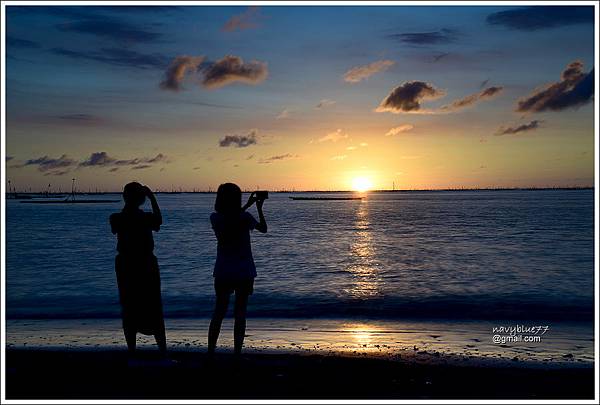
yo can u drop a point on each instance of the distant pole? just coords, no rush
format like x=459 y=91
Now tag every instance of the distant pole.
x=73 y=189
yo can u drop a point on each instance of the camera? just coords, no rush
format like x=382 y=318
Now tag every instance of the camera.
x=262 y=195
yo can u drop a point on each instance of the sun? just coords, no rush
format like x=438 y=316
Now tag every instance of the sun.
x=361 y=184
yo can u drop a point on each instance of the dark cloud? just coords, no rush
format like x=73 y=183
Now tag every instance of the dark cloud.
x=277 y=158
x=443 y=36
x=57 y=173
x=232 y=69
x=575 y=89
x=542 y=17
x=13 y=42
x=112 y=29
x=521 y=128
x=158 y=158
x=178 y=69
x=408 y=97
x=468 y=101
x=87 y=12
x=213 y=75
x=439 y=57
x=239 y=141
x=118 y=57
x=247 y=20
x=98 y=159
x=139 y=167
x=48 y=164
x=80 y=119
x=484 y=83
x=103 y=159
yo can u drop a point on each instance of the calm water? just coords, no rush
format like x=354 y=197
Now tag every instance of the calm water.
x=448 y=255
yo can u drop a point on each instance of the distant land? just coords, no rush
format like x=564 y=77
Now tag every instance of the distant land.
x=18 y=194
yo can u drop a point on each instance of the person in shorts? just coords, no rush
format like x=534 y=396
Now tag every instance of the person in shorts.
x=234 y=270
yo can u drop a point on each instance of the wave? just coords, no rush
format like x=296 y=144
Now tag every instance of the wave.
x=290 y=306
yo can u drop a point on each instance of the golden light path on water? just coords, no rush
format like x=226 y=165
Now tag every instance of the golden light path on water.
x=363 y=264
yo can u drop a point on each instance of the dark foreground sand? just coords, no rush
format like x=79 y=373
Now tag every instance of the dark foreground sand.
x=106 y=374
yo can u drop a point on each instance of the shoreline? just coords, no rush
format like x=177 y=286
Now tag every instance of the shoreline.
x=564 y=343
x=107 y=374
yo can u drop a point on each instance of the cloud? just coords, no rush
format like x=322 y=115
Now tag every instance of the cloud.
x=439 y=57
x=249 y=19
x=399 y=130
x=575 y=89
x=177 y=70
x=542 y=17
x=358 y=73
x=443 y=36
x=535 y=124
x=13 y=42
x=232 y=69
x=212 y=75
x=111 y=28
x=239 y=141
x=334 y=136
x=98 y=159
x=47 y=164
x=484 y=83
x=468 y=101
x=351 y=148
x=102 y=159
x=277 y=158
x=325 y=103
x=408 y=96
x=284 y=114
x=118 y=57
x=158 y=158
x=139 y=167
x=339 y=157
x=80 y=119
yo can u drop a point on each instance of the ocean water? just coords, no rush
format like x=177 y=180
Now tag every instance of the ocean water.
x=465 y=255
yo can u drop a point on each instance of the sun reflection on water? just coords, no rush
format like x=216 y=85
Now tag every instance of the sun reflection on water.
x=363 y=265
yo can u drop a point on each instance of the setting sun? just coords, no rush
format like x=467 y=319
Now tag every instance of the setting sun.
x=361 y=184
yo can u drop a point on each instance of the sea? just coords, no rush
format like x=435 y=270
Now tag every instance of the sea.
x=489 y=257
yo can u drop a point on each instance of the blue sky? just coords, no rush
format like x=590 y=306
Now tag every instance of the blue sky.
x=86 y=80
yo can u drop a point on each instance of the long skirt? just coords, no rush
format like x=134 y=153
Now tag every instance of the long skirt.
x=138 y=278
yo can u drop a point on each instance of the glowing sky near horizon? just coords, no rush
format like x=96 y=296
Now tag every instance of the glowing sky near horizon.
x=300 y=98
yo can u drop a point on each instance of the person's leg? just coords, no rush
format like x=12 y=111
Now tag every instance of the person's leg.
x=130 y=337
x=221 y=304
x=161 y=339
x=239 y=328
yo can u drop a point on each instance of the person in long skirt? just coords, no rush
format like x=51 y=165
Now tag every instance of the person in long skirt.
x=138 y=275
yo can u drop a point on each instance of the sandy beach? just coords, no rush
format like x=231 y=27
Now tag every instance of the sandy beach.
x=106 y=374
x=302 y=358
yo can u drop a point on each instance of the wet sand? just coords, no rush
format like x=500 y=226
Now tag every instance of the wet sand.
x=107 y=374
x=298 y=358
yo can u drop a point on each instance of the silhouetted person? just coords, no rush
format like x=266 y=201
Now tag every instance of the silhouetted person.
x=136 y=266
x=234 y=269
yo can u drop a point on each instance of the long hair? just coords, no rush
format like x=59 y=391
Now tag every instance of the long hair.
x=229 y=199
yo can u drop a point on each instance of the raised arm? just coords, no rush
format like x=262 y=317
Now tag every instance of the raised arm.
x=251 y=200
x=155 y=207
x=262 y=223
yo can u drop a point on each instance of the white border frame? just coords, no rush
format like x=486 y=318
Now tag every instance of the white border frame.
x=291 y=3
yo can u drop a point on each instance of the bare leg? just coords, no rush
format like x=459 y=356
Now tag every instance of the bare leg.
x=219 y=313
x=130 y=337
x=239 y=328
x=161 y=340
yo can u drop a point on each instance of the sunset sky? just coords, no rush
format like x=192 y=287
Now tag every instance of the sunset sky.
x=298 y=98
